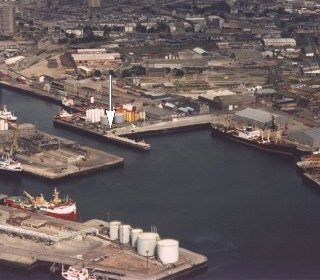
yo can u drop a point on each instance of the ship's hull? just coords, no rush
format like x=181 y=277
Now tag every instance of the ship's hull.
x=280 y=149
x=72 y=216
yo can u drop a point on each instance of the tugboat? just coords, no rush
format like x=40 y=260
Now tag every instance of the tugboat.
x=59 y=208
x=74 y=273
x=256 y=138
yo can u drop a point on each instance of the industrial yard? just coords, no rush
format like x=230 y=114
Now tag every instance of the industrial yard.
x=109 y=249
x=52 y=157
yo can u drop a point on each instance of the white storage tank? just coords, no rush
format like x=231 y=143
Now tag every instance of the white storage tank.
x=91 y=99
x=124 y=234
x=114 y=229
x=118 y=118
x=168 y=251
x=134 y=236
x=147 y=243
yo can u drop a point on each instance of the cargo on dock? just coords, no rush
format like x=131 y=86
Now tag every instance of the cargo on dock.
x=67 y=243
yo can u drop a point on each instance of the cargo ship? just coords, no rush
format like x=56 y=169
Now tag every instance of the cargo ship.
x=255 y=138
x=59 y=208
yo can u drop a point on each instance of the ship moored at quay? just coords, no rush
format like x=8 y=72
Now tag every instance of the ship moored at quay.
x=272 y=142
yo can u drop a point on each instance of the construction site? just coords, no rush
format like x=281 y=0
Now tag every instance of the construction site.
x=52 y=157
x=108 y=250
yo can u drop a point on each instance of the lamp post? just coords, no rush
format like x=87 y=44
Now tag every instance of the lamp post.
x=147 y=261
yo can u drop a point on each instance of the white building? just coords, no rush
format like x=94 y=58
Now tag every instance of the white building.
x=280 y=42
x=7 y=19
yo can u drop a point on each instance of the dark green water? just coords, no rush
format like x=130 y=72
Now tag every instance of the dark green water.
x=250 y=213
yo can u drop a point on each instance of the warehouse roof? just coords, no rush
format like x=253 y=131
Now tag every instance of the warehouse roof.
x=256 y=115
x=313 y=132
x=95 y=56
x=14 y=59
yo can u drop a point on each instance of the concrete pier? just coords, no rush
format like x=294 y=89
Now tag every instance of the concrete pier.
x=87 y=243
x=124 y=135
x=107 y=136
x=41 y=165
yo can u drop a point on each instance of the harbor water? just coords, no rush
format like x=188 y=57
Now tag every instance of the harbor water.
x=249 y=212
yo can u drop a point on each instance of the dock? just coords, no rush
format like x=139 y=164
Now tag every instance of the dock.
x=35 y=92
x=107 y=136
x=33 y=238
x=52 y=157
x=126 y=135
x=41 y=165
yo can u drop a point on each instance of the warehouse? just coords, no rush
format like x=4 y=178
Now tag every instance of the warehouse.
x=231 y=102
x=309 y=137
x=259 y=118
x=159 y=113
x=94 y=58
x=279 y=42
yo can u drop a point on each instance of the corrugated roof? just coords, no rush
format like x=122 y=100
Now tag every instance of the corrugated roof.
x=256 y=115
x=313 y=132
x=95 y=56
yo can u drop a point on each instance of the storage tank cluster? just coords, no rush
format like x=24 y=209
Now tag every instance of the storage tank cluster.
x=147 y=244
x=3 y=124
x=94 y=115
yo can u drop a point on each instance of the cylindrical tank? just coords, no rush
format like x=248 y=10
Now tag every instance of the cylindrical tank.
x=134 y=236
x=104 y=120
x=118 y=118
x=147 y=243
x=114 y=229
x=91 y=99
x=168 y=251
x=124 y=234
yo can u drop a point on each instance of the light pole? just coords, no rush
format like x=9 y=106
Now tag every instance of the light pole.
x=147 y=261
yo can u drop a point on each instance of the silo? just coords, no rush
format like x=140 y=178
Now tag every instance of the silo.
x=118 y=118
x=168 y=251
x=134 y=236
x=2 y=124
x=91 y=99
x=114 y=230
x=124 y=234
x=147 y=243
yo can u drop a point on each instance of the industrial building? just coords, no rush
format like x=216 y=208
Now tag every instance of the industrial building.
x=159 y=113
x=259 y=118
x=309 y=137
x=7 y=19
x=229 y=102
x=94 y=58
x=279 y=42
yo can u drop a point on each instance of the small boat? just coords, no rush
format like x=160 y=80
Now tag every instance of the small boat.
x=7 y=115
x=74 y=273
x=8 y=164
x=64 y=114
